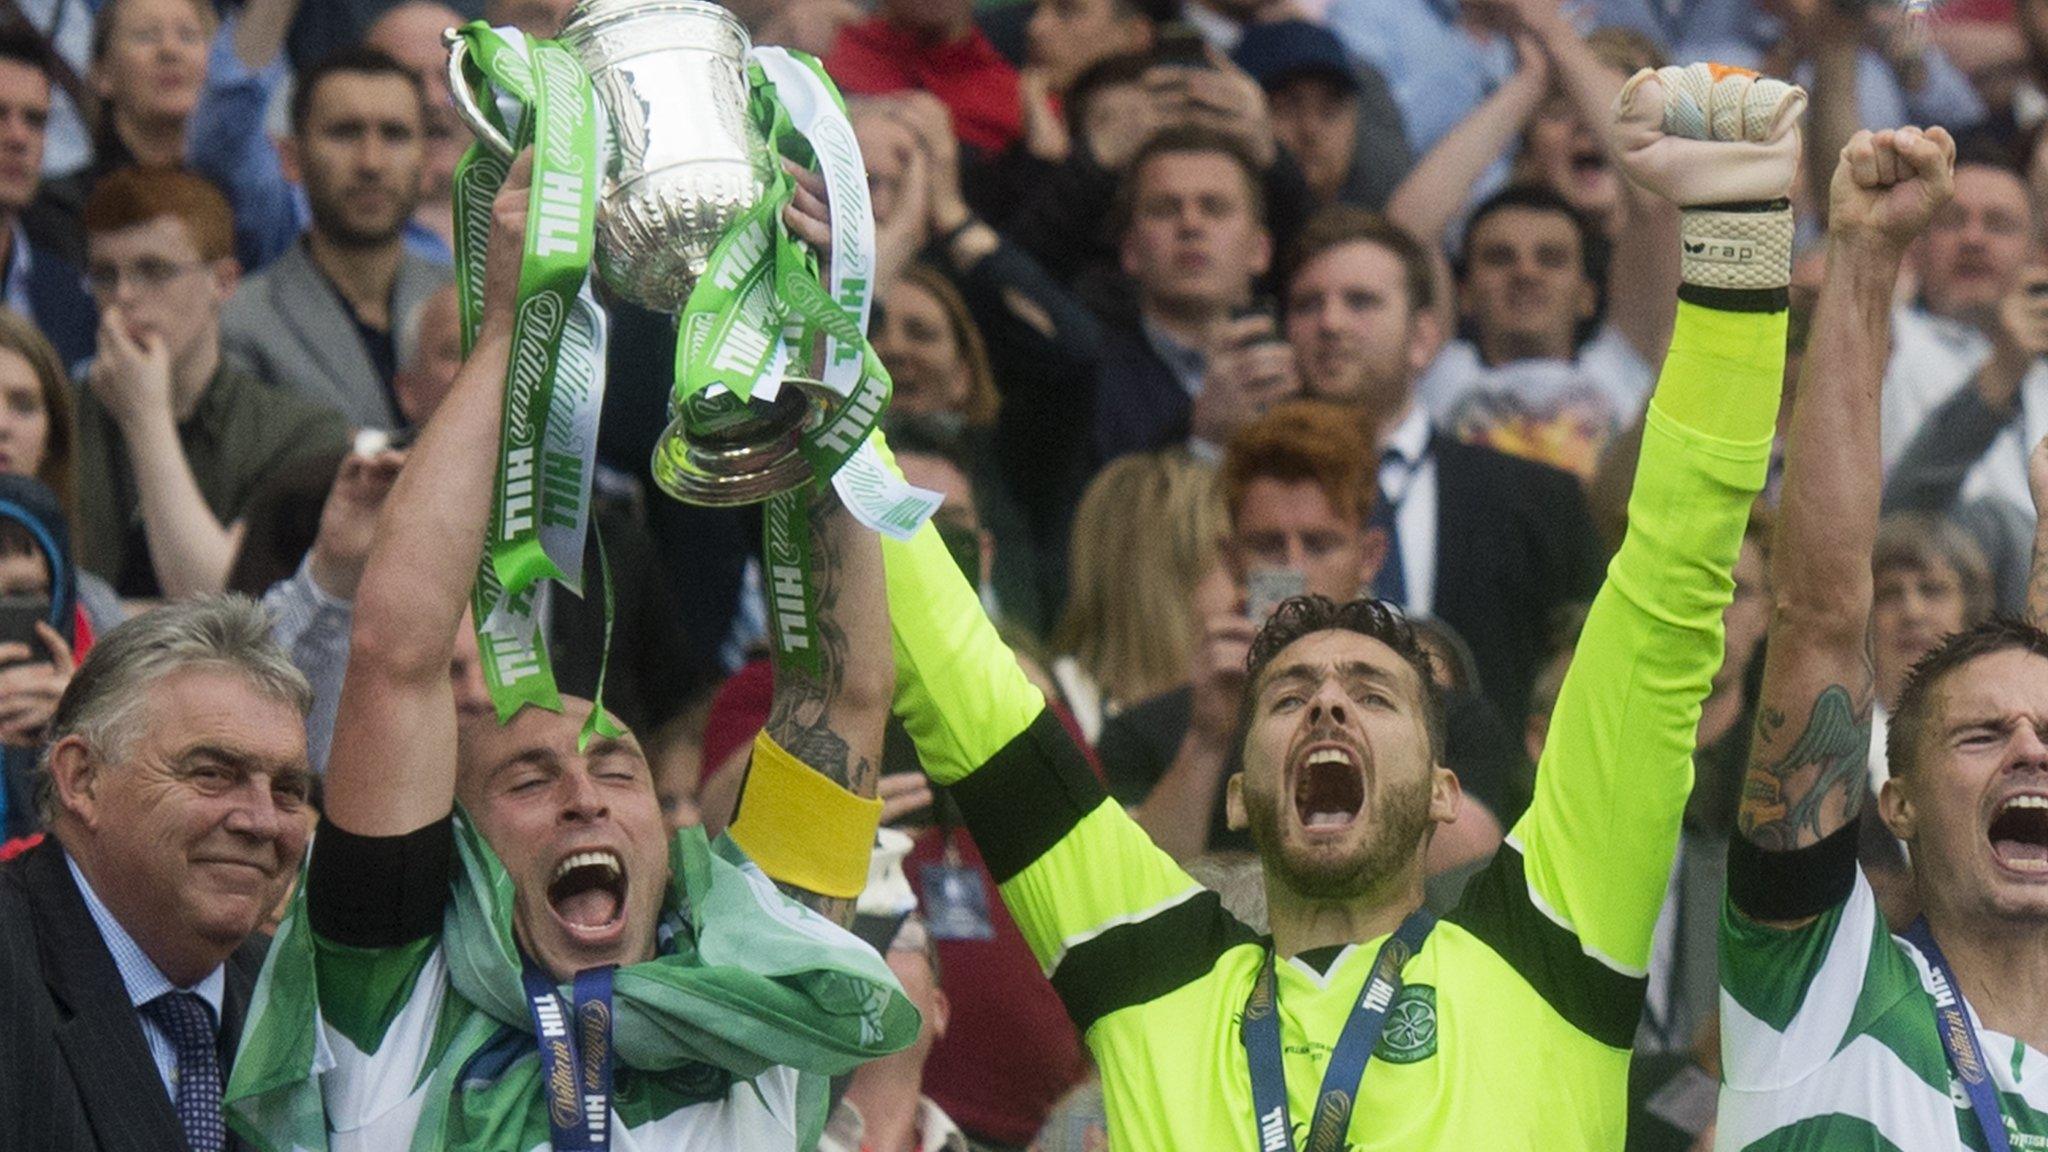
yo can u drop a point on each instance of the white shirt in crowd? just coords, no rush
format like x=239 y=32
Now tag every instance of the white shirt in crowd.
x=1931 y=359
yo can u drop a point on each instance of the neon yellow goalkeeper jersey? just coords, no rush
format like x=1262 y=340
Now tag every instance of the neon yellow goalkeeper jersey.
x=1512 y=1030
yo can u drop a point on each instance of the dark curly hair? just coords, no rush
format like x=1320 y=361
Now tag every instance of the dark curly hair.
x=1916 y=699
x=1300 y=615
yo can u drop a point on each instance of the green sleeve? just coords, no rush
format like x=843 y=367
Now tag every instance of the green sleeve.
x=1599 y=837
x=1090 y=891
x=362 y=990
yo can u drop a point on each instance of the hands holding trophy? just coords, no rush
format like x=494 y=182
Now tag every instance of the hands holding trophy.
x=661 y=139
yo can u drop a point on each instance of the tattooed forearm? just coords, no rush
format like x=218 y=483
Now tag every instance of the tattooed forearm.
x=831 y=719
x=1796 y=795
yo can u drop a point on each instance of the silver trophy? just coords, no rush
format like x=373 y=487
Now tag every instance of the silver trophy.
x=683 y=160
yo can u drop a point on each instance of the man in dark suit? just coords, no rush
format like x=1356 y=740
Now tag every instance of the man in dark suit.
x=175 y=788
x=1191 y=214
x=36 y=278
x=327 y=318
x=1491 y=544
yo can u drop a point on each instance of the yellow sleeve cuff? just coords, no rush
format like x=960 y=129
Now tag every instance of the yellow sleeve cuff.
x=801 y=828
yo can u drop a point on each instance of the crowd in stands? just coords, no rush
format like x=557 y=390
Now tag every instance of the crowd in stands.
x=1189 y=306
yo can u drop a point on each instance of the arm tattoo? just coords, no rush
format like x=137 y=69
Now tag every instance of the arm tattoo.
x=801 y=716
x=1795 y=798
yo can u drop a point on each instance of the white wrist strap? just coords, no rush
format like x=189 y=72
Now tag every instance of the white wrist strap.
x=1736 y=250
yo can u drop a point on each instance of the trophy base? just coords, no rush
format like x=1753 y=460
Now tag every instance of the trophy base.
x=729 y=453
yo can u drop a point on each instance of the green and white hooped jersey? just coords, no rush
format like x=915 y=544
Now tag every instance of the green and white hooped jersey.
x=378 y=1087
x=1828 y=1044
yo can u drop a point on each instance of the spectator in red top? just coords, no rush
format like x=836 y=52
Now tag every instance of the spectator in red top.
x=933 y=45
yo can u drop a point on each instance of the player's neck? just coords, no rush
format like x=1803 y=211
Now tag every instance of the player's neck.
x=2002 y=968
x=1300 y=923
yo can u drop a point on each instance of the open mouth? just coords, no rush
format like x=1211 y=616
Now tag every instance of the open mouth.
x=2019 y=834
x=1329 y=788
x=588 y=892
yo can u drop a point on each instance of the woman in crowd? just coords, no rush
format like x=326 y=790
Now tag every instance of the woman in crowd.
x=37 y=437
x=1144 y=547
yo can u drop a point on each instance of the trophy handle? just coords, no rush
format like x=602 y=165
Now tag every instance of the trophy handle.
x=465 y=100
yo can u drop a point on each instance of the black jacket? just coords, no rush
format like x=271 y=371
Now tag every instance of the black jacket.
x=1514 y=543
x=75 y=1072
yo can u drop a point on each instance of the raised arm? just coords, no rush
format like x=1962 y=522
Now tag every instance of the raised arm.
x=832 y=720
x=1597 y=842
x=391 y=769
x=1435 y=190
x=1806 y=777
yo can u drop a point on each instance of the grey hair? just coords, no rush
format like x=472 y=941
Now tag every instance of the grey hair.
x=104 y=701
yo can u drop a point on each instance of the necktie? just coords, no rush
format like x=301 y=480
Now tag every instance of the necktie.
x=188 y=1022
x=1391 y=584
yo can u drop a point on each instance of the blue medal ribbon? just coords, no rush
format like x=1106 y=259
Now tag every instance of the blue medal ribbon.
x=1260 y=1032
x=1959 y=1040
x=575 y=1056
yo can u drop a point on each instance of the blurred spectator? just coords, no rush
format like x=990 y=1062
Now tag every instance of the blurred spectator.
x=1438 y=67
x=430 y=353
x=44 y=627
x=1902 y=77
x=1068 y=37
x=1144 y=541
x=323 y=320
x=410 y=33
x=63 y=29
x=1192 y=220
x=981 y=528
x=1298 y=487
x=1070 y=217
x=1531 y=380
x=181 y=89
x=330 y=25
x=1333 y=115
x=885 y=1108
x=39 y=440
x=542 y=18
x=172 y=441
x=124 y=944
x=1929 y=580
x=1965 y=392
x=1488 y=543
x=1224 y=23
x=1040 y=340
x=934 y=46
x=806 y=25
x=41 y=281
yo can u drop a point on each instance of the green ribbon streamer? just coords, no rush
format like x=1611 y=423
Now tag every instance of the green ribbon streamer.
x=559 y=120
x=758 y=308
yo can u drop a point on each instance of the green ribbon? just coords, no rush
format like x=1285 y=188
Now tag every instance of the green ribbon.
x=760 y=308
x=554 y=383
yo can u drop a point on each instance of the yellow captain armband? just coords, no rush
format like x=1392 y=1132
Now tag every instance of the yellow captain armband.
x=802 y=829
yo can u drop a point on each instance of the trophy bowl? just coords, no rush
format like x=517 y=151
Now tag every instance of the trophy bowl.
x=682 y=160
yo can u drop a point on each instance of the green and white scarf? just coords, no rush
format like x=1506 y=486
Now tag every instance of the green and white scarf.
x=749 y=980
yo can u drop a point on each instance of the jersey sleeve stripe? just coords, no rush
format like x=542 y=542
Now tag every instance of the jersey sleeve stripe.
x=1027 y=796
x=1591 y=994
x=1134 y=963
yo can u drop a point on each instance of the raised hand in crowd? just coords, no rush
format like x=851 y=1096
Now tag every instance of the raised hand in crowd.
x=1250 y=369
x=131 y=376
x=1045 y=133
x=1176 y=814
x=348 y=521
x=1220 y=96
x=31 y=682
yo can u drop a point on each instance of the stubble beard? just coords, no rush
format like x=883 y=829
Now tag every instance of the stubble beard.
x=1391 y=843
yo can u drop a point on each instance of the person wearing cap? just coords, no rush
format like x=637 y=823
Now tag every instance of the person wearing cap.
x=1333 y=114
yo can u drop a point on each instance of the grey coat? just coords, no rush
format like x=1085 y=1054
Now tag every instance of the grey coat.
x=289 y=325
